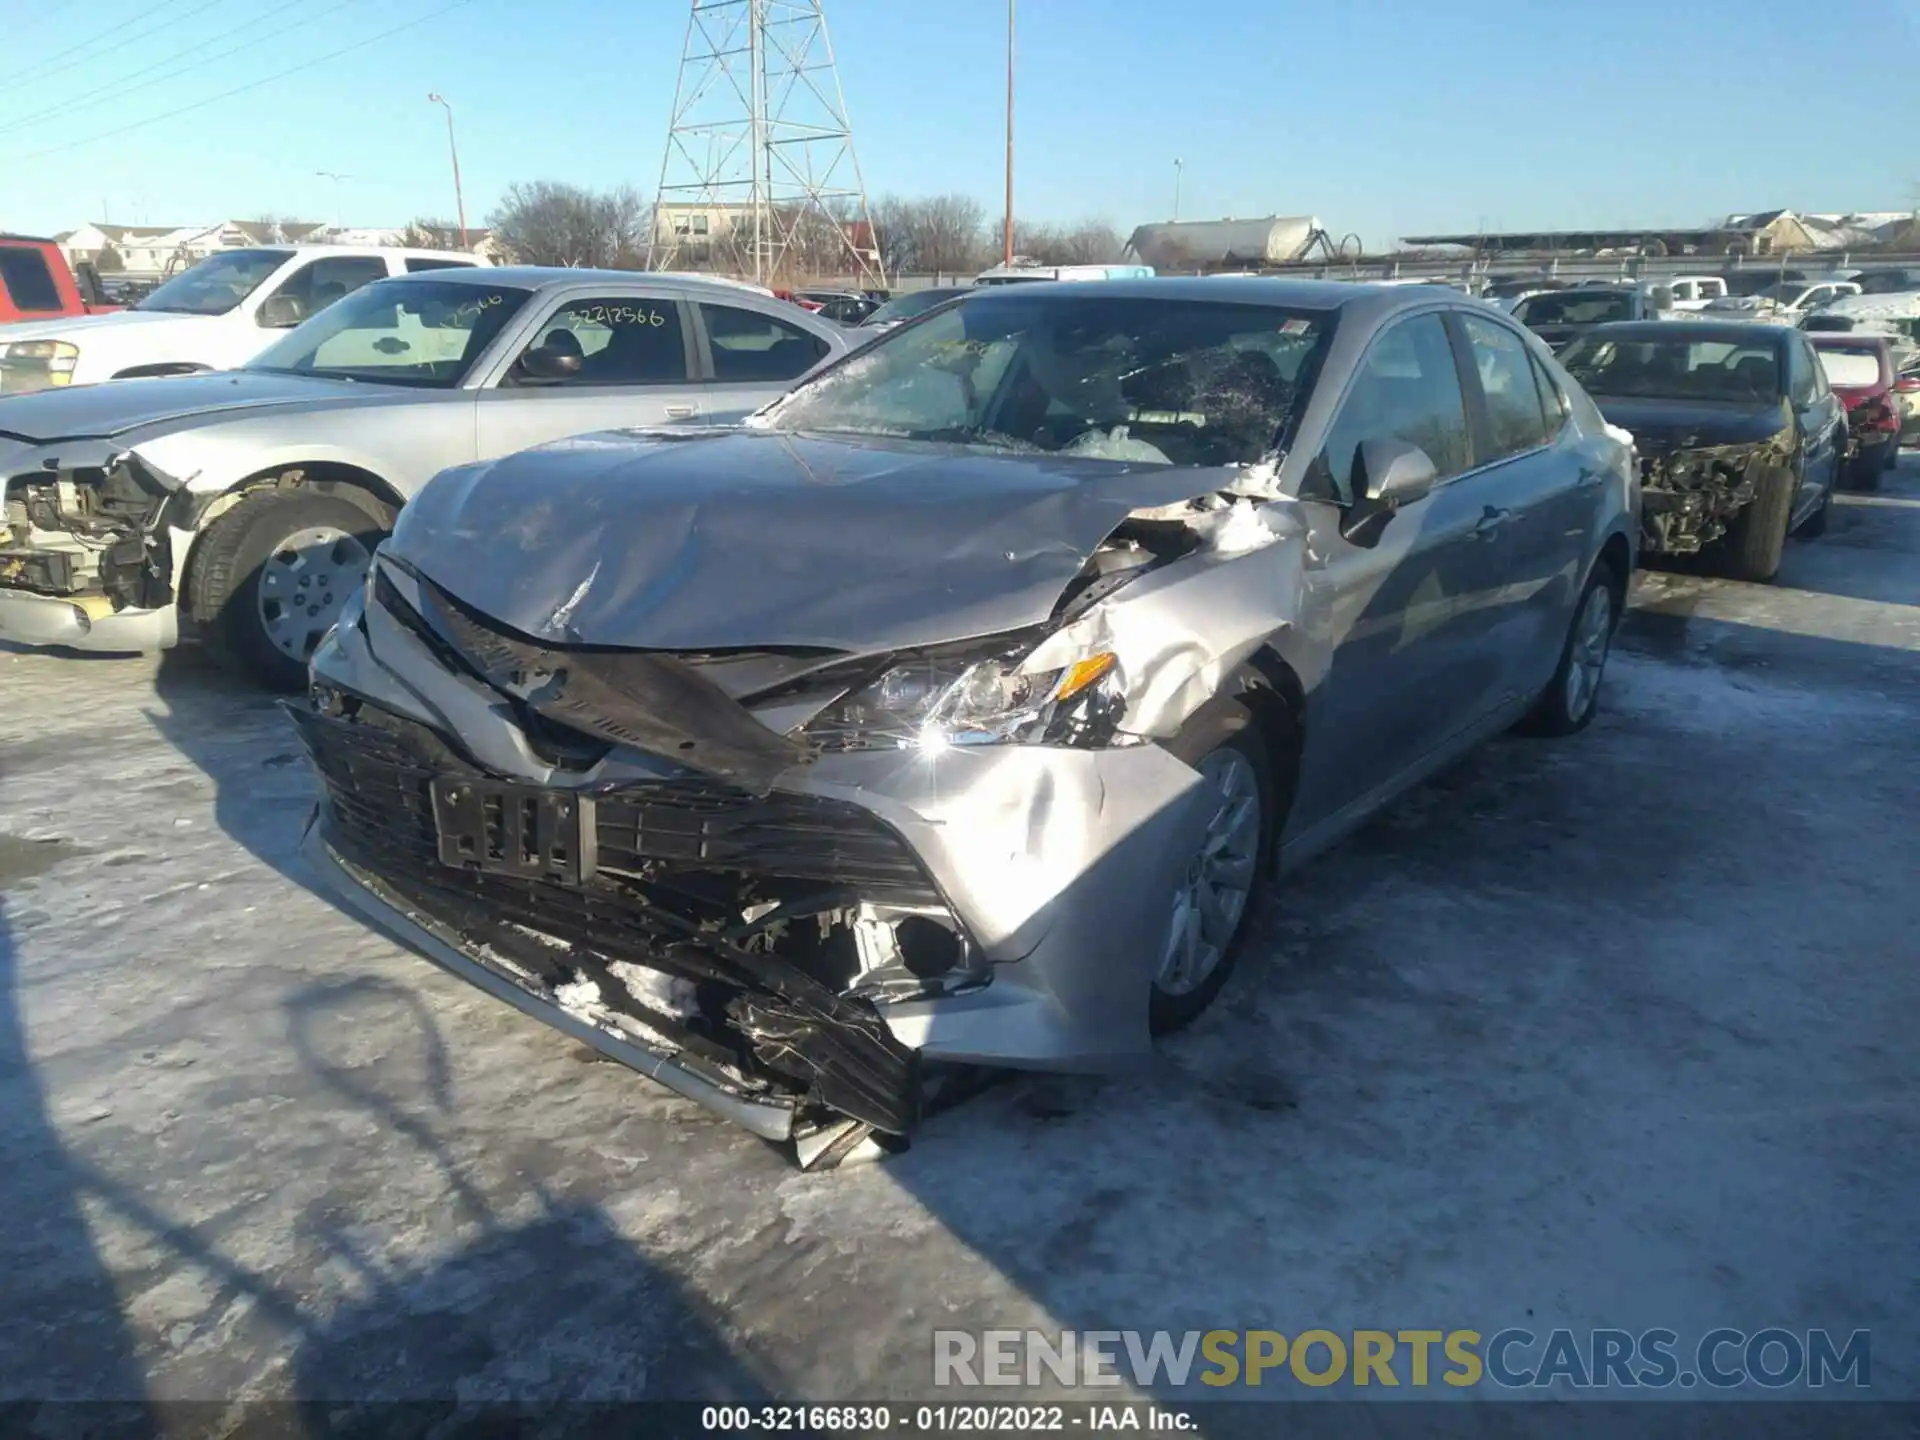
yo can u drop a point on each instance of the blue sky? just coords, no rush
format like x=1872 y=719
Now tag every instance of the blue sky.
x=1382 y=117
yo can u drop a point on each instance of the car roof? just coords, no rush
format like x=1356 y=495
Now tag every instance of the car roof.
x=1366 y=302
x=1730 y=332
x=548 y=277
x=1848 y=339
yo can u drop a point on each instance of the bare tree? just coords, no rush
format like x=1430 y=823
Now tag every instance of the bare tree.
x=938 y=233
x=429 y=234
x=548 y=223
x=1087 y=242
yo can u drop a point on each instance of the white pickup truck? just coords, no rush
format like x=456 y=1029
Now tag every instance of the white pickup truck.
x=221 y=313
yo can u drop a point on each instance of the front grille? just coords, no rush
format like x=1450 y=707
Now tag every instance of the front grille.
x=378 y=777
x=378 y=773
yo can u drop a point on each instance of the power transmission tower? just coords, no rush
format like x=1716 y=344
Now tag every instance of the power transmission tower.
x=759 y=177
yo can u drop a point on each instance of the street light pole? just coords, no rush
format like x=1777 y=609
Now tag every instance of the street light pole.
x=1007 y=235
x=336 y=179
x=1177 y=163
x=459 y=201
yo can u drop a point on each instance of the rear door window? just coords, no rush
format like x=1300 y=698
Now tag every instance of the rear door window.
x=1407 y=388
x=622 y=340
x=28 y=279
x=749 y=346
x=1516 y=418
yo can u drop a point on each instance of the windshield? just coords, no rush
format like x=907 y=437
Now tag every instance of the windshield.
x=216 y=284
x=905 y=307
x=1675 y=369
x=1106 y=377
x=420 y=331
x=1575 y=307
x=1850 y=369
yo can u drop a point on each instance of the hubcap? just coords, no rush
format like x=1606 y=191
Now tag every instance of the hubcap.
x=304 y=583
x=1587 y=656
x=1211 y=899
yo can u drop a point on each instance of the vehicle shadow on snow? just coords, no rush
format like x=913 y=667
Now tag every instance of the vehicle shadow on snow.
x=62 y=1334
x=517 y=1296
x=531 y=1296
x=540 y=1298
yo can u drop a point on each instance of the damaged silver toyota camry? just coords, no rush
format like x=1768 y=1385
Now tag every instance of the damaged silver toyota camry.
x=952 y=712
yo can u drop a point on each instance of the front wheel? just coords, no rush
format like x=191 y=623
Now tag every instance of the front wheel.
x=1573 y=695
x=1756 y=539
x=270 y=576
x=1208 y=911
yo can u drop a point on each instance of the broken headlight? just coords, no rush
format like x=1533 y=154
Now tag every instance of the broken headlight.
x=935 y=700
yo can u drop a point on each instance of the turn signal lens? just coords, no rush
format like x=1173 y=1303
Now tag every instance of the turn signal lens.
x=1082 y=673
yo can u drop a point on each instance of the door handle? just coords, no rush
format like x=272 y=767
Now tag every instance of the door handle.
x=1490 y=521
x=680 y=412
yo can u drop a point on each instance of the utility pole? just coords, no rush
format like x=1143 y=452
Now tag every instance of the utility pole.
x=459 y=200
x=1007 y=232
x=1177 y=163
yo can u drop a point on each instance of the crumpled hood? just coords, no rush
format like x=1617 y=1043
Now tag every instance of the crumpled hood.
x=752 y=538
x=1662 y=426
x=175 y=401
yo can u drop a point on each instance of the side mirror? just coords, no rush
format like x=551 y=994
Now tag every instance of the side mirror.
x=280 y=312
x=1397 y=473
x=540 y=363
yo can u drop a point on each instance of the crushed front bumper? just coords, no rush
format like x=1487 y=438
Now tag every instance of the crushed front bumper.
x=85 y=623
x=1056 y=866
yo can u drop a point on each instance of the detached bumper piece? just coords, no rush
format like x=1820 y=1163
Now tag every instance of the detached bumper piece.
x=569 y=887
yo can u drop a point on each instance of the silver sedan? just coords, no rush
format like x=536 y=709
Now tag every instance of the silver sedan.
x=953 y=711
x=242 y=507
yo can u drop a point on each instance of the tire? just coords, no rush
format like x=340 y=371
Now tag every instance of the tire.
x=1223 y=732
x=1568 y=704
x=1871 y=465
x=1757 y=538
x=247 y=550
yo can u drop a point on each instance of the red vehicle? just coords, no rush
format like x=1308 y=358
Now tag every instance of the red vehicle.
x=37 y=284
x=793 y=297
x=1860 y=370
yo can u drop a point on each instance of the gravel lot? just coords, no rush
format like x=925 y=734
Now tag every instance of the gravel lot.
x=1617 y=1031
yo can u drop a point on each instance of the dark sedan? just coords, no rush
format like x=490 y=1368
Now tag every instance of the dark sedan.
x=1739 y=435
x=902 y=308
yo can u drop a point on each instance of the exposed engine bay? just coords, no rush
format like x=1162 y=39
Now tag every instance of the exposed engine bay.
x=1690 y=494
x=91 y=530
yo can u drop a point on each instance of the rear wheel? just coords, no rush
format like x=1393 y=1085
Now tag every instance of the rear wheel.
x=1757 y=537
x=270 y=576
x=1208 y=912
x=1870 y=465
x=1573 y=695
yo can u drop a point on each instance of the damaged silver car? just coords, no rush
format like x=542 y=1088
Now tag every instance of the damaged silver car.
x=952 y=712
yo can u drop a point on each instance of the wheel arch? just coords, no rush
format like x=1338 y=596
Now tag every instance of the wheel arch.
x=1271 y=689
x=156 y=369
x=353 y=483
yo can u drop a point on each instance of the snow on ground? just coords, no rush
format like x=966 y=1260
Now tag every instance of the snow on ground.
x=1617 y=1031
